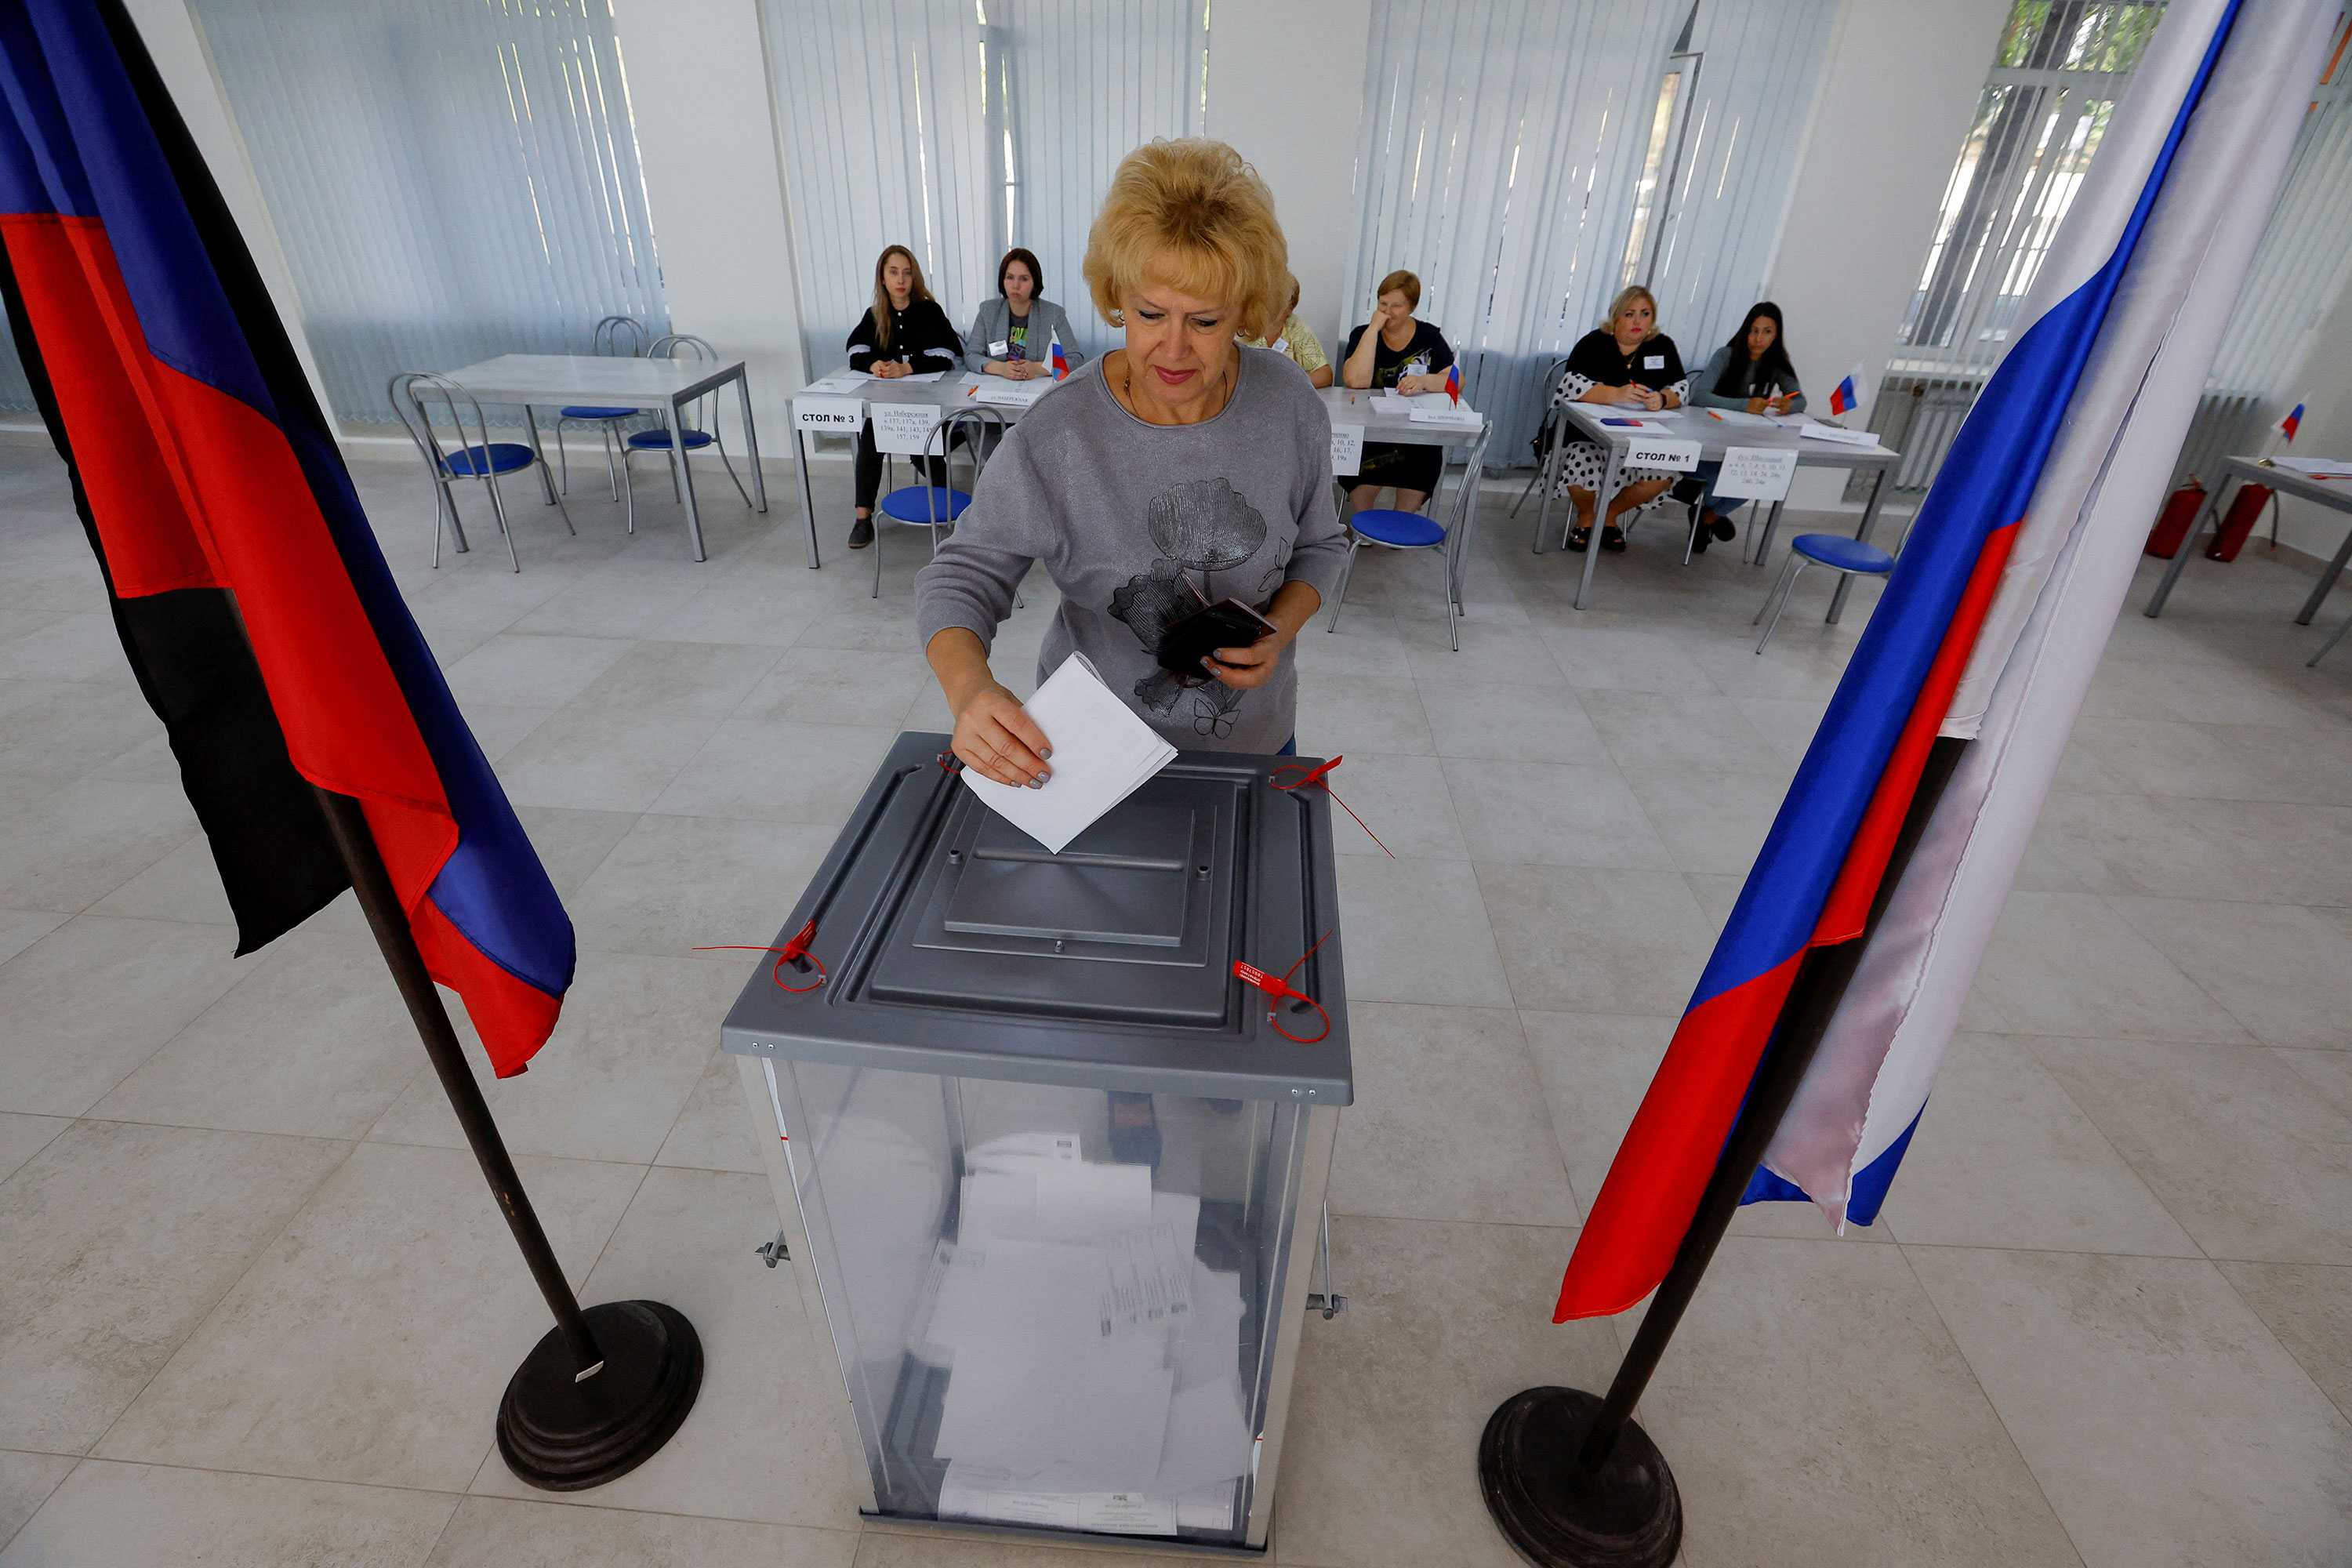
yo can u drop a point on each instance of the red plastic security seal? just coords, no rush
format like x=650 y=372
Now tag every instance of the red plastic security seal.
x=794 y=951
x=1249 y=975
x=1316 y=776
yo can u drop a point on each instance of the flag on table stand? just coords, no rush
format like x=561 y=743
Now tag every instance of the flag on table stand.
x=1060 y=361
x=249 y=591
x=1978 y=653
x=1847 y=395
x=1453 y=383
x=2291 y=422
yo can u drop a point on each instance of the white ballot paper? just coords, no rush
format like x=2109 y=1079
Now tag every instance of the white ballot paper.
x=1102 y=753
x=839 y=381
x=2314 y=467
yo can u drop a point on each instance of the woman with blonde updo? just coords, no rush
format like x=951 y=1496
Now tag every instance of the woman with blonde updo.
x=1627 y=361
x=1179 y=471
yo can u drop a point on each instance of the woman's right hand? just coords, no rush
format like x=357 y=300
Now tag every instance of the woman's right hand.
x=1761 y=406
x=995 y=736
x=891 y=369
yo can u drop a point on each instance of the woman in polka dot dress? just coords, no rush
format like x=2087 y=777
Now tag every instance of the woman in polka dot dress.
x=1628 y=362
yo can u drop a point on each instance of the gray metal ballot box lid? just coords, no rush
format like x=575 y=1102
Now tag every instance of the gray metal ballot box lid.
x=952 y=942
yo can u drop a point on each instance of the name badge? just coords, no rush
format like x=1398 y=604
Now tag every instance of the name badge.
x=1653 y=362
x=1280 y=345
x=996 y=349
x=836 y=416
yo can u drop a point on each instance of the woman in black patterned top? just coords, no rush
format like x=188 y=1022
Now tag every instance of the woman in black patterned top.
x=1627 y=362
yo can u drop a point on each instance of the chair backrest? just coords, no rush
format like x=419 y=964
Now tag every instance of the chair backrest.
x=1547 y=426
x=623 y=335
x=982 y=429
x=685 y=346
x=415 y=397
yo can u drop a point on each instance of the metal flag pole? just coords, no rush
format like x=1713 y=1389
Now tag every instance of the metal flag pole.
x=606 y=1387
x=1570 y=1478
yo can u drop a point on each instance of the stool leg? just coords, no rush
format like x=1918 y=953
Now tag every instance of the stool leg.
x=1339 y=595
x=498 y=507
x=2313 y=662
x=1783 y=588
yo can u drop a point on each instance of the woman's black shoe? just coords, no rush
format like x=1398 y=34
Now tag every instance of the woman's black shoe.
x=1722 y=528
x=1700 y=538
x=1580 y=540
x=1613 y=539
x=861 y=533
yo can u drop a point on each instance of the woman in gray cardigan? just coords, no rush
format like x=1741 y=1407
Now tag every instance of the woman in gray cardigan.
x=1751 y=373
x=1010 y=334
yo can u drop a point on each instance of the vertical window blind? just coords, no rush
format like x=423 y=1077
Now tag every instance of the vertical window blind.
x=449 y=179
x=2057 y=73
x=2298 y=274
x=1501 y=148
x=962 y=128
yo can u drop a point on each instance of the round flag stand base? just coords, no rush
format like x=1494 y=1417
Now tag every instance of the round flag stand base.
x=562 y=1434
x=1556 y=1513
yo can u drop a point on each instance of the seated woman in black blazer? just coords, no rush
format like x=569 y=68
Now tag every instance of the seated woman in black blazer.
x=903 y=333
x=1627 y=361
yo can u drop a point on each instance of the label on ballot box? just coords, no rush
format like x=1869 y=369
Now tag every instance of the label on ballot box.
x=901 y=428
x=1647 y=451
x=1755 y=473
x=1347 y=450
x=829 y=415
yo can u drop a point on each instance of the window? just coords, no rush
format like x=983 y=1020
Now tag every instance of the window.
x=2057 y=73
x=449 y=179
x=962 y=128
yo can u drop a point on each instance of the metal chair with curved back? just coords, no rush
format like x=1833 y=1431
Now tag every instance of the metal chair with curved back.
x=1847 y=556
x=700 y=429
x=624 y=337
x=477 y=458
x=1419 y=531
x=980 y=431
x=1548 y=434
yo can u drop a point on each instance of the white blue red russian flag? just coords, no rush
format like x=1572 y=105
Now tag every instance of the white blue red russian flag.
x=1453 y=383
x=1988 y=631
x=1055 y=357
x=2291 y=422
x=1847 y=393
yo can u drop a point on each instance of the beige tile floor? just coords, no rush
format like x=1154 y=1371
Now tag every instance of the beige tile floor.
x=257 y=1307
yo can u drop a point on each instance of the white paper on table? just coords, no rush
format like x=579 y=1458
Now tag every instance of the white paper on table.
x=1791 y=421
x=1102 y=755
x=902 y=429
x=839 y=381
x=1437 y=409
x=1347 y=450
x=1755 y=473
x=1739 y=417
x=2314 y=467
x=1840 y=434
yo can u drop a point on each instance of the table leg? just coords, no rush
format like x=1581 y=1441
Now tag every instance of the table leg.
x=531 y=417
x=1764 y=538
x=751 y=441
x=675 y=417
x=2180 y=556
x=1553 y=421
x=1869 y=521
x=2327 y=580
x=808 y=497
x=1600 y=512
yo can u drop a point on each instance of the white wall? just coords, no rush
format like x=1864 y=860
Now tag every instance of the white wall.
x=1902 y=90
x=1286 y=91
x=707 y=141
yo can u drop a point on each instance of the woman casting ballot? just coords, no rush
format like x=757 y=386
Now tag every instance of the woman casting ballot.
x=1628 y=362
x=903 y=333
x=1179 y=471
x=1010 y=334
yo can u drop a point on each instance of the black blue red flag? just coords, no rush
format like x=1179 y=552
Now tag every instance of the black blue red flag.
x=254 y=602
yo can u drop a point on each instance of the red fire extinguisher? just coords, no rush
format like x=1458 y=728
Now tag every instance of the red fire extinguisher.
x=2245 y=510
x=2173 y=523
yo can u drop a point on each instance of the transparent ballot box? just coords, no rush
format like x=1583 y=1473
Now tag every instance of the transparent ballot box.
x=1051 y=1174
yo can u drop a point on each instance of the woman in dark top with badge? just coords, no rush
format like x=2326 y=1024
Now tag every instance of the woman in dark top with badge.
x=1394 y=350
x=903 y=333
x=1751 y=373
x=1012 y=335
x=1627 y=362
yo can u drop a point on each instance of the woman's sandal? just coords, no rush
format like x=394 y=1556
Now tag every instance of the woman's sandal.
x=1580 y=540
x=1613 y=539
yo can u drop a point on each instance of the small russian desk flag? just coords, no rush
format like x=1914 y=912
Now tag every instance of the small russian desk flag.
x=2292 y=423
x=1060 y=361
x=1453 y=383
x=1847 y=393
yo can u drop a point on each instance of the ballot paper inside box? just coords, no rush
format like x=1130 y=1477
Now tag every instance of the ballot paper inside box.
x=1050 y=1174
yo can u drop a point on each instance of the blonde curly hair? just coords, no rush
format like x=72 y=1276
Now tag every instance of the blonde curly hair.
x=1620 y=305
x=1191 y=214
